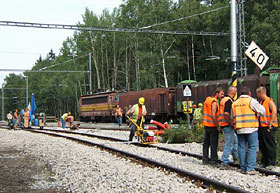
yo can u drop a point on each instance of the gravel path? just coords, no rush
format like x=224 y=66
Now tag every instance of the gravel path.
x=256 y=183
x=79 y=168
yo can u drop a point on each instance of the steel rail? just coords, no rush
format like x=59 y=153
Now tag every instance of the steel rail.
x=261 y=170
x=206 y=181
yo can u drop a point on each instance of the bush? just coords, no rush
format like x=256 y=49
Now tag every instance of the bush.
x=183 y=134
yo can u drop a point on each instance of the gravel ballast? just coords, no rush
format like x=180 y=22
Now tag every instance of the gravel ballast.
x=253 y=183
x=76 y=167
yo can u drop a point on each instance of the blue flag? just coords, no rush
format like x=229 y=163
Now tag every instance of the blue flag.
x=33 y=105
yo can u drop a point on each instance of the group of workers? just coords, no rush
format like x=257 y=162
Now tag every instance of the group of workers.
x=66 y=117
x=247 y=125
x=17 y=118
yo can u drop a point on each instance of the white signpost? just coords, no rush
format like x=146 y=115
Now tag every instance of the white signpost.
x=256 y=55
x=187 y=90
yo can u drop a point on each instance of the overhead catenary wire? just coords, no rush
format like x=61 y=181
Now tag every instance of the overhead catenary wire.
x=182 y=18
x=107 y=29
x=49 y=71
x=71 y=60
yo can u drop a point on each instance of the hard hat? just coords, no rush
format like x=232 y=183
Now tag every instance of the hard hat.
x=69 y=113
x=194 y=106
x=200 y=105
x=141 y=100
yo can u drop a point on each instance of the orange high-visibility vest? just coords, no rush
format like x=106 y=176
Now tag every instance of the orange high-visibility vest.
x=265 y=119
x=207 y=119
x=243 y=115
x=119 y=111
x=221 y=118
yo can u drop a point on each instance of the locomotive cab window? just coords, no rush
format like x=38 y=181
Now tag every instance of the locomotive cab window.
x=94 y=100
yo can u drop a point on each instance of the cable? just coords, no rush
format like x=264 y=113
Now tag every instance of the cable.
x=6 y=52
x=186 y=17
x=50 y=71
x=122 y=30
x=62 y=62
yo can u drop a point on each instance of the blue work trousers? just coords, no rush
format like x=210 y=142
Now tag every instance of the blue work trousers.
x=231 y=145
x=62 y=123
x=119 y=120
x=251 y=139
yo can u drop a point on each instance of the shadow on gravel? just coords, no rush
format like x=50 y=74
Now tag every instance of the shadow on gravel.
x=22 y=173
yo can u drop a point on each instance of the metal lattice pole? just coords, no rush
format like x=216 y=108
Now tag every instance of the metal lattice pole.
x=242 y=39
x=234 y=50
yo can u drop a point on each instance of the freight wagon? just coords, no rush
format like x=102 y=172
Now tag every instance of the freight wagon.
x=164 y=104
x=101 y=106
x=159 y=102
x=200 y=90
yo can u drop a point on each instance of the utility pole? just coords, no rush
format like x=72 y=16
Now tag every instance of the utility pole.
x=26 y=87
x=234 y=51
x=89 y=69
x=243 y=45
x=3 y=102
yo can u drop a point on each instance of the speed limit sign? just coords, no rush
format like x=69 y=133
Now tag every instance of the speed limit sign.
x=257 y=55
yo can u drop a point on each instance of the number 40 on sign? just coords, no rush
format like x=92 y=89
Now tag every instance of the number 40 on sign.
x=257 y=55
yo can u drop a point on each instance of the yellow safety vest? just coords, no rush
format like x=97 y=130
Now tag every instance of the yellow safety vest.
x=136 y=112
x=207 y=119
x=265 y=119
x=221 y=118
x=243 y=115
x=197 y=114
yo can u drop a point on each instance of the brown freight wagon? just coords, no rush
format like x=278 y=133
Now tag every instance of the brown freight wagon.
x=160 y=102
x=200 y=90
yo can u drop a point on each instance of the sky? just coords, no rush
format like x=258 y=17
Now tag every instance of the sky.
x=21 y=47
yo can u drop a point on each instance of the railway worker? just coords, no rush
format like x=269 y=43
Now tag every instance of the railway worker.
x=10 y=120
x=137 y=111
x=245 y=112
x=118 y=115
x=63 y=118
x=268 y=125
x=26 y=118
x=15 y=118
x=212 y=129
x=225 y=122
x=197 y=114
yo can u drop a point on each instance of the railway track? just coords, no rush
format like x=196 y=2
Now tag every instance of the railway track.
x=198 y=156
x=200 y=180
x=172 y=154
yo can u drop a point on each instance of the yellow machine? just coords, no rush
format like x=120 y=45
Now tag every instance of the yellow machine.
x=146 y=136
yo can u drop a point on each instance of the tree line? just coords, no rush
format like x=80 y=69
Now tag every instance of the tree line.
x=136 y=61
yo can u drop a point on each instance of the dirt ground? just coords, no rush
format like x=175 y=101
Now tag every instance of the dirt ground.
x=23 y=173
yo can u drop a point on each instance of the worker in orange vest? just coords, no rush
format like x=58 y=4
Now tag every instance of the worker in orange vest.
x=268 y=125
x=118 y=115
x=245 y=111
x=212 y=129
x=225 y=122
